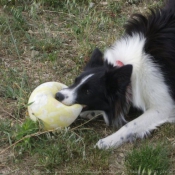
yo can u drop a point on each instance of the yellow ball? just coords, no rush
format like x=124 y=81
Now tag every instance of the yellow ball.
x=44 y=106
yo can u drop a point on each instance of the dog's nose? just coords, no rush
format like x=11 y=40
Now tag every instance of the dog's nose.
x=59 y=96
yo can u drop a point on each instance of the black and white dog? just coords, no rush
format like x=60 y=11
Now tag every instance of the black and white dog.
x=138 y=70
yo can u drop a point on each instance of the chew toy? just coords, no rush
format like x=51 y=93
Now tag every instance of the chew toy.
x=44 y=106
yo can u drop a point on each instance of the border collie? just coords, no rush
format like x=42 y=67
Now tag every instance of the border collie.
x=137 y=70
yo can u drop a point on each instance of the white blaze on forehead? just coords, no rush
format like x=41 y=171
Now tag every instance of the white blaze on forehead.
x=84 y=79
x=70 y=94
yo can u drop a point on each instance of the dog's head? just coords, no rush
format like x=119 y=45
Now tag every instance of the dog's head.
x=99 y=86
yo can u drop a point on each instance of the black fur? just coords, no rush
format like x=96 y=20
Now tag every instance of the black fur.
x=106 y=90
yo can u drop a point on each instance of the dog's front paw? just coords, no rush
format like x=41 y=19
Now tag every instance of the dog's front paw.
x=87 y=114
x=109 y=142
x=101 y=144
x=90 y=114
x=105 y=144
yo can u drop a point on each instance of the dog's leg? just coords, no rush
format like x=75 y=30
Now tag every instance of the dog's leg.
x=171 y=118
x=94 y=114
x=137 y=128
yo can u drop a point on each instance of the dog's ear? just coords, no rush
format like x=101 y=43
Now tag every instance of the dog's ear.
x=96 y=59
x=118 y=79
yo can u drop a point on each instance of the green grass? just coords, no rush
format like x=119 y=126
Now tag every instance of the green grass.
x=72 y=148
x=149 y=159
x=51 y=40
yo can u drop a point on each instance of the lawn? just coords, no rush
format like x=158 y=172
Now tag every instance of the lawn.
x=51 y=40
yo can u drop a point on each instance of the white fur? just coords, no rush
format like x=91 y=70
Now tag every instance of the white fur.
x=149 y=91
x=128 y=50
x=88 y=115
x=70 y=94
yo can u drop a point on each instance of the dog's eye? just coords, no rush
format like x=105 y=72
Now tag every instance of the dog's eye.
x=87 y=92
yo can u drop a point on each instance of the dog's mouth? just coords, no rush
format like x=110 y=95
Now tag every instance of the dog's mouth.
x=85 y=108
